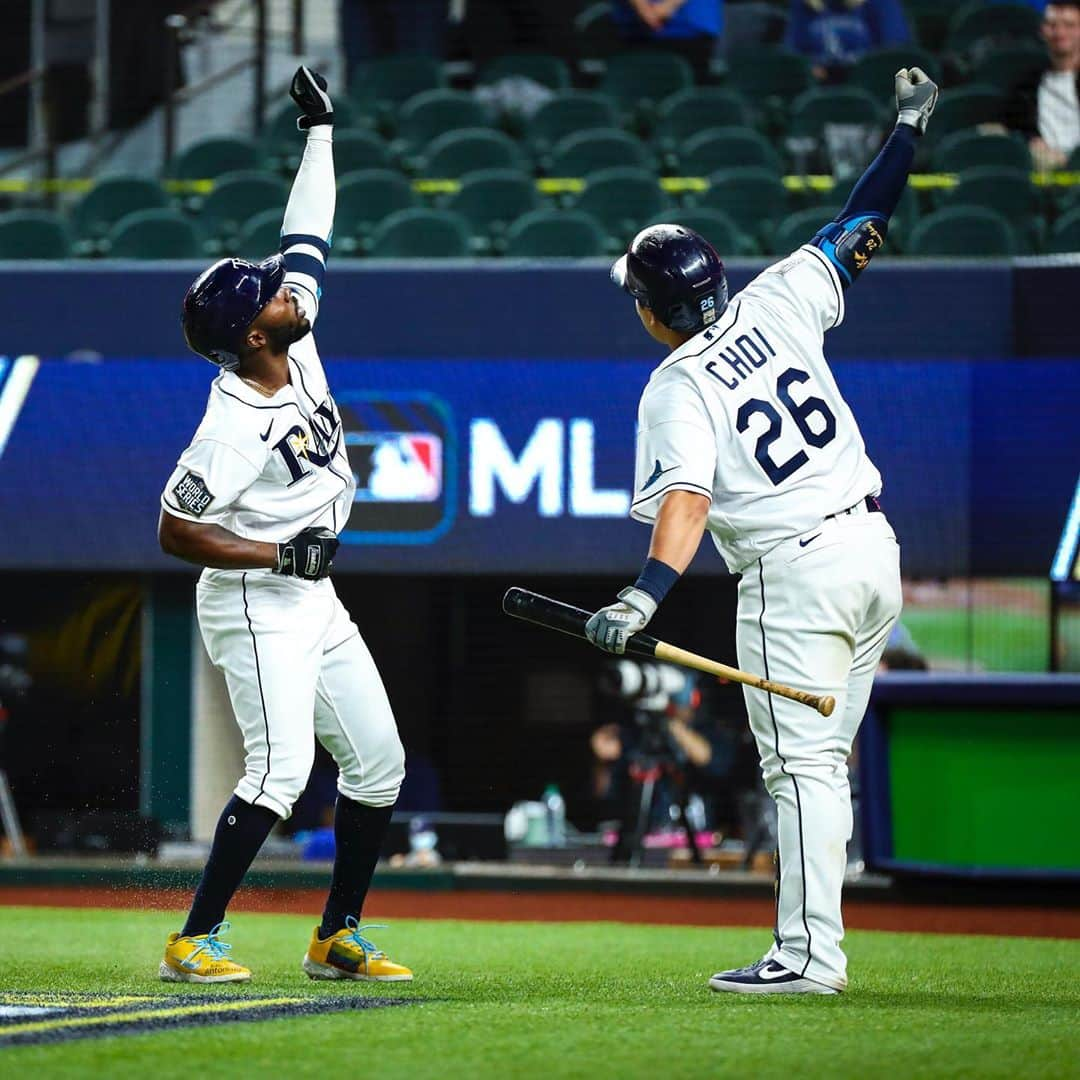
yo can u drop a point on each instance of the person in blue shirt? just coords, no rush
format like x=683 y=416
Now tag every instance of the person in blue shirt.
x=691 y=28
x=833 y=34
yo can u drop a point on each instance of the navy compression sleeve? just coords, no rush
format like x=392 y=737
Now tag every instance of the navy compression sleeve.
x=858 y=231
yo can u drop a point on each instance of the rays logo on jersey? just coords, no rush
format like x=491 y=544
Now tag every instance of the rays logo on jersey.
x=402 y=453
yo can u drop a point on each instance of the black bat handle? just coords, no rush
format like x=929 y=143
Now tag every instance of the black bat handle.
x=555 y=615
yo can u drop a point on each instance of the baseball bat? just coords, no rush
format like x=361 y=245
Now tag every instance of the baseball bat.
x=555 y=615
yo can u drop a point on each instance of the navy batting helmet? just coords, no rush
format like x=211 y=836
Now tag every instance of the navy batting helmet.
x=676 y=274
x=222 y=303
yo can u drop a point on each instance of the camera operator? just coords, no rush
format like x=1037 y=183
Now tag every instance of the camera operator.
x=673 y=754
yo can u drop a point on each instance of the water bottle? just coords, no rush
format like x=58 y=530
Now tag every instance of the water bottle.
x=556 y=816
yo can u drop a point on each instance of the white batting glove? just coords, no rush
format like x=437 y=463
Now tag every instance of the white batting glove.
x=916 y=96
x=612 y=626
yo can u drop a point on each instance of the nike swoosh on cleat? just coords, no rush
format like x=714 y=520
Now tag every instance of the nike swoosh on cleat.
x=776 y=973
x=656 y=474
x=267 y=435
x=803 y=543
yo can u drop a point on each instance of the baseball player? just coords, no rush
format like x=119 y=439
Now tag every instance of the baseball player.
x=257 y=499
x=742 y=431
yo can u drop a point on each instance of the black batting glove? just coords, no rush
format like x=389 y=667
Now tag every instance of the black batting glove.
x=308 y=555
x=308 y=90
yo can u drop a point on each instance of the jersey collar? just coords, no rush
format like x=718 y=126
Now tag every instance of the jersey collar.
x=700 y=342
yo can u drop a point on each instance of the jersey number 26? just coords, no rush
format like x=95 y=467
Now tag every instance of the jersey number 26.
x=800 y=412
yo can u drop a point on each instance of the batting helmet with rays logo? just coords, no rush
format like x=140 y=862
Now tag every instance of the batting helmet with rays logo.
x=677 y=274
x=222 y=303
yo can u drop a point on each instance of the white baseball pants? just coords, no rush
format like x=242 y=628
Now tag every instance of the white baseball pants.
x=815 y=613
x=296 y=670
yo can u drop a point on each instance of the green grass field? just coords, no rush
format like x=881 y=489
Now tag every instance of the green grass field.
x=564 y=1000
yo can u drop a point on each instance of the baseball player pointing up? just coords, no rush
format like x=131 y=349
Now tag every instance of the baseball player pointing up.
x=742 y=431
x=257 y=499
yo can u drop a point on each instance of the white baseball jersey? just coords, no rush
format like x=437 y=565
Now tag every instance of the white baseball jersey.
x=266 y=468
x=748 y=413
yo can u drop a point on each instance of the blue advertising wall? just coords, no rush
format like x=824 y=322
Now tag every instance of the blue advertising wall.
x=517 y=389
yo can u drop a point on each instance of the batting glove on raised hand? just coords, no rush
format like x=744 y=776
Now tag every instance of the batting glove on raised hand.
x=916 y=96
x=308 y=555
x=612 y=626
x=308 y=90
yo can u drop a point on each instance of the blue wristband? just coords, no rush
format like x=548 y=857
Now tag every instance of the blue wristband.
x=656 y=579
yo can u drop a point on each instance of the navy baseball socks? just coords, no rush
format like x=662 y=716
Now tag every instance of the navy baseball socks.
x=359 y=832
x=338 y=947
x=197 y=954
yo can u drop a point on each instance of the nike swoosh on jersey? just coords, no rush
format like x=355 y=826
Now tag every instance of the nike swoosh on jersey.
x=267 y=435
x=803 y=543
x=656 y=474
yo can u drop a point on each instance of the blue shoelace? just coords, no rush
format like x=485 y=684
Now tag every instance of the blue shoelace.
x=212 y=945
x=367 y=947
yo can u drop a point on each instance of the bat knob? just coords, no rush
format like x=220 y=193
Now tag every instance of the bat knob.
x=826 y=705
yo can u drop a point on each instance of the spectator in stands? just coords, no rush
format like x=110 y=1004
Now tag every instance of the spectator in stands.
x=494 y=28
x=1046 y=107
x=833 y=34
x=690 y=28
x=371 y=28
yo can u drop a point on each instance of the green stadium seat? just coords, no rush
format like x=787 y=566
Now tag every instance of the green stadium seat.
x=544 y=234
x=457 y=152
x=929 y=22
x=979 y=21
x=903 y=220
x=1008 y=65
x=753 y=197
x=724 y=148
x=549 y=71
x=1065 y=234
x=796 y=229
x=624 y=200
x=1073 y=164
x=490 y=199
x=813 y=109
x=639 y=81
x=364 y=198
x=1008 y=191
x=962 y=231
x=965 y=107
x=284 y=142
x=967 y=149
x=772 y=77
x=596 y=32
x=156 y=234
x=236 y=197
x=588 y=151
x=874 y=71
x=566 y=114
x=421 y=234
x=359 y=149
x=109 y=200
x=260 y=235
x=33 y=234
x=723 y=233
x=689 y=112
x=428 y=115
x=211 y=158
x=391 y=81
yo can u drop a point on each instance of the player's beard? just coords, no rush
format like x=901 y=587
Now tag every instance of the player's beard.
x=279 y=338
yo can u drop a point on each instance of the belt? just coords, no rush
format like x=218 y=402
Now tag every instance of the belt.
x=869 y=505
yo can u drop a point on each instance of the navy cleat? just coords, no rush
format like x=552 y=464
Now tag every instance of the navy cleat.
x=766 y=977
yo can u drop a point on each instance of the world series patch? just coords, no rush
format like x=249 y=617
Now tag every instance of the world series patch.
x=192 y=494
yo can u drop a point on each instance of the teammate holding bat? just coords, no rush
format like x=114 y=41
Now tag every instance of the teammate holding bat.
x=743 y=431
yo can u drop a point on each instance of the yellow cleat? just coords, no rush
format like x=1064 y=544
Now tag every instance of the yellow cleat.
x=200 y=959
x=347 y=955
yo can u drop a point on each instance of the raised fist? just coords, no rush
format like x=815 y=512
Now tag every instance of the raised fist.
x=308 y=90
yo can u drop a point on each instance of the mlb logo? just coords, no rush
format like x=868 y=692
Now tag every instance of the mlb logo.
x=393 y=467
x=401 y=449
